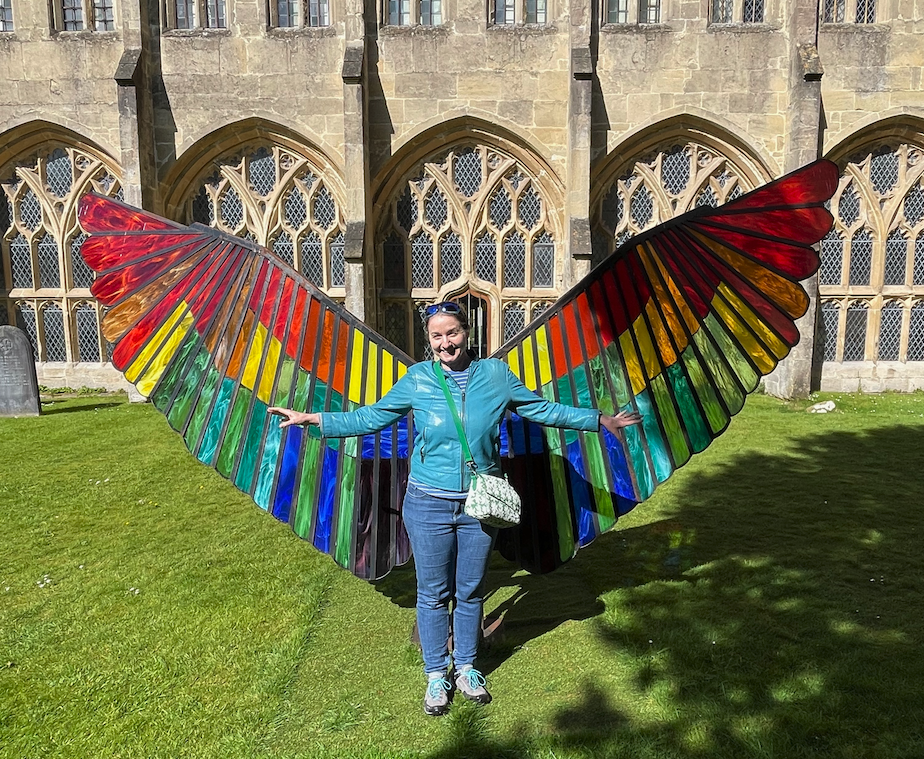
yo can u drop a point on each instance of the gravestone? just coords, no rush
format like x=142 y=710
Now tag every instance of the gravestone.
x=19 y=395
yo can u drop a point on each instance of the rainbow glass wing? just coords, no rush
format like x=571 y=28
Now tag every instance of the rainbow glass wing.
x=215 y=329
x=680 y=323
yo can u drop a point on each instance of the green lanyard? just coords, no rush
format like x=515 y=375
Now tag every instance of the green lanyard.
x=441 y=377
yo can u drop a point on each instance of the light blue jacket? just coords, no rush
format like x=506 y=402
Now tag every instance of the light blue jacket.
x=437 y=458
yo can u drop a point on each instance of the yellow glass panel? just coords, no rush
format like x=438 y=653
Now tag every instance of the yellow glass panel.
x=544 y=356
x=356 y=368
x=765 y=363
x=268 y=374
x=529 y=364
x=779 y=348
x=147 y=382
x=154 y=346
x=646 y=346
x=633 y=367
x=372 y=373
x=513 y=360
x=252 y=366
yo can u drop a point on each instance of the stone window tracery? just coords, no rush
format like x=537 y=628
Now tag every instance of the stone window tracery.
x=833 y=11
x=662 y=184
x=46 y=284
x=279 y=199
x=470 y=217
x=872 y=261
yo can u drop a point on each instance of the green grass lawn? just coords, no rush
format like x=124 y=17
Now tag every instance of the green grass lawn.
x=767 y=602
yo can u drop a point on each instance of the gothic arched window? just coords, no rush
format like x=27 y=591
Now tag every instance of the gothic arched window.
x=872 y=261
x=662 y=184
x=42 y=276
x=468 y=218
x=279 y=199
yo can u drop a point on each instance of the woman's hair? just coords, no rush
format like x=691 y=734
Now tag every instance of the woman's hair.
x=446 y=307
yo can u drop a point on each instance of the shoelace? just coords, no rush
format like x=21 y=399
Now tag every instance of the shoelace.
x=433 y=689
x=474 y=678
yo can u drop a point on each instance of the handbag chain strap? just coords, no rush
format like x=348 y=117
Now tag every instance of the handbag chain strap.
x=441 y=378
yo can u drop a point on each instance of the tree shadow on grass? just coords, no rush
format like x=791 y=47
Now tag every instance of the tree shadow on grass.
x=778 y=614
x=70 y=409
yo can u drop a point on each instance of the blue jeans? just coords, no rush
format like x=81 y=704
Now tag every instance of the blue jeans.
x=451 y=553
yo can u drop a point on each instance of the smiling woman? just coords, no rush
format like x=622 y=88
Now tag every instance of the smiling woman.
x=451 y=548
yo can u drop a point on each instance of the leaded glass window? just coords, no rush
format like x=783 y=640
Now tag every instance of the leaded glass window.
x=832 y=256
x=399 y=12
x=470 y=217
x=722 y=11
x=277 y=198
x=25 y=320
x=504 y=12
x=861 y=258
x=431 y=12
x=53 y=332
x=668 y=181
x=879 y=214
x=896 y=254
x=649 y=11
x=87 y=332
x=215 y=14
x=916 y=332
x=72 y=15
x=866 y=11
x=535 y=11
x=833 y=11
x=318 y=13
x=184 y=14
x=514 y=320
x=6 y=16
x=855 y=332
x=40 y=245
x=753 y=11
x=617 y=11
x=103 y=15
x=890 y=331
x=830 y=310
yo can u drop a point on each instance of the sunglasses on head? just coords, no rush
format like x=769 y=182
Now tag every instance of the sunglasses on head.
x=446 y=307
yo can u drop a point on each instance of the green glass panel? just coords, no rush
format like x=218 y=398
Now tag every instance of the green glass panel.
x=689 y=409
x=618 y=375
x=721 y=376
x=566 y=547
x=596 y=471
x=301 y=390
x=187 y=393
x=346 y=508
x=715 y=414
x=601 y=383
x=173 y=375
x=284 y=385
x=202 y=408
x=246 y=470
x=669 y=420
x=639 y=461
x=311 y=465
x=216 y=421
x=729 y=348
x=264 y=487
x=234 y=432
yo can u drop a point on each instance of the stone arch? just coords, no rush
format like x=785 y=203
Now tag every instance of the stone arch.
x=196 y=159
x=663 y=171
x=467 y=210
x=27 y=135
x=263 y=182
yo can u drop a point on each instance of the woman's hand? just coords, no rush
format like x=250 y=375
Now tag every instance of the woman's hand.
x=294 y=417
x=620 y=420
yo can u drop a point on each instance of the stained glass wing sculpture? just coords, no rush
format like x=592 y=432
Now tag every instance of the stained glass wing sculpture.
x=680 y=323
x=215 y=329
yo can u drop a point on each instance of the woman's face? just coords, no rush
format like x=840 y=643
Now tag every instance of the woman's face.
x=448 y=339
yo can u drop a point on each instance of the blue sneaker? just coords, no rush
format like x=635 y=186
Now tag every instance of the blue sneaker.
x=438 y=695
x=471 y=684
